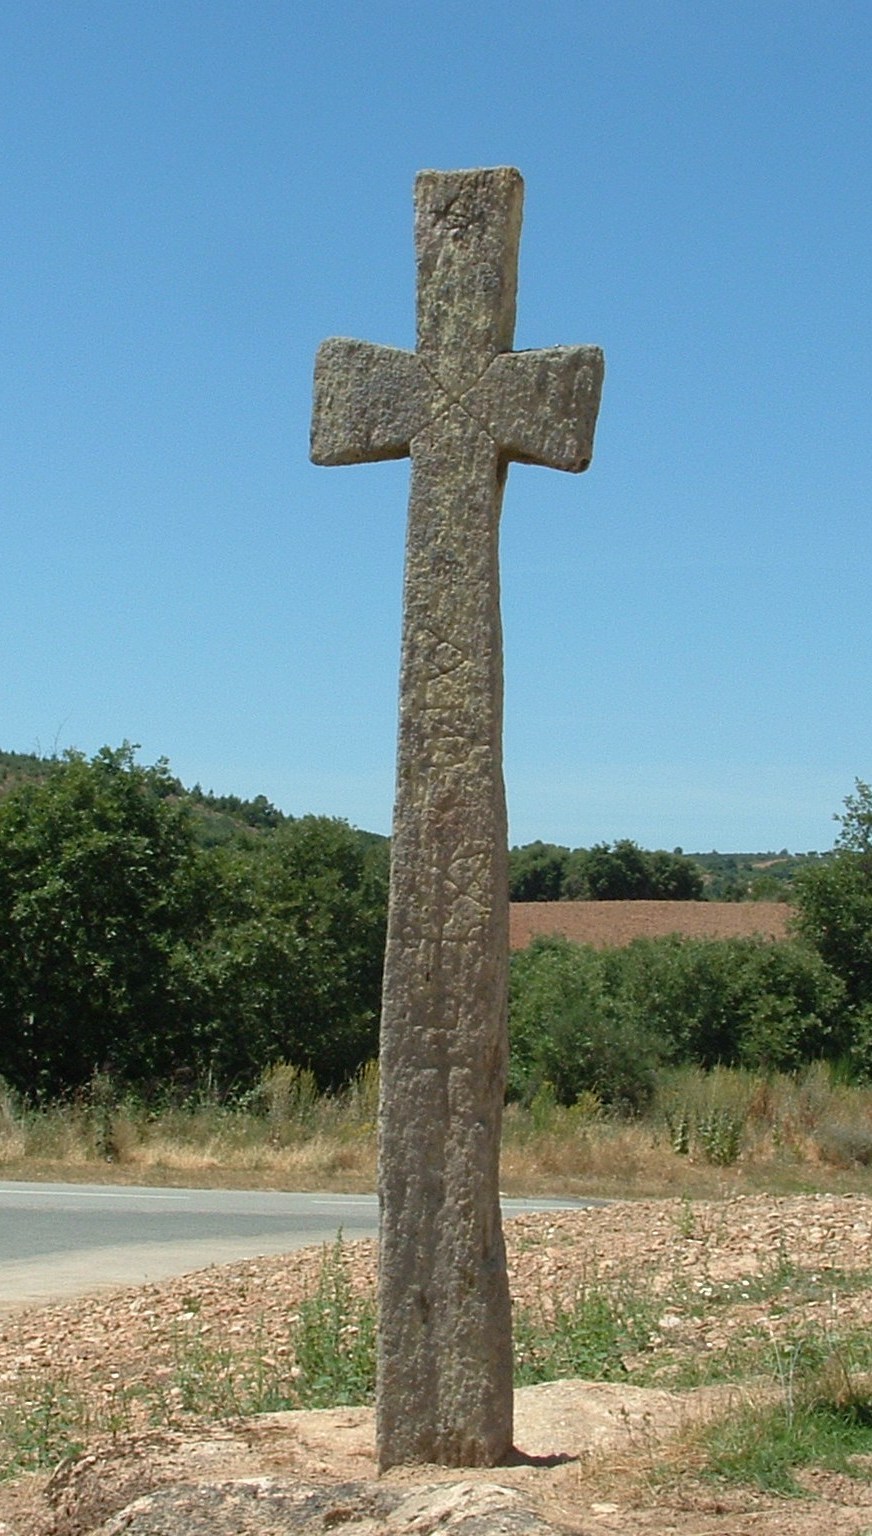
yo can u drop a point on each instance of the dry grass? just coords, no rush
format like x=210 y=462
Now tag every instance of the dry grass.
x=707 y=1135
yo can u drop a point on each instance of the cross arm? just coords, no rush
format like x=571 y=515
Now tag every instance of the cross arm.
x=369 y=402
x=541 y=406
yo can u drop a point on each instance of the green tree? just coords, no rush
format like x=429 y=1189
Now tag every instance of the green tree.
x=674 y=877
x=291 y=969
x=566 y=1029
x=622 y=871
x=834 y=913
x=536 y=872
x=730 y=1001
x=97 y=894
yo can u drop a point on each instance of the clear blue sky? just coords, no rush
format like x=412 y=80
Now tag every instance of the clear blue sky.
x=196 y=192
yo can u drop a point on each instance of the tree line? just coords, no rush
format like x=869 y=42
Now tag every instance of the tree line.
x=619 y=871
x=171 y=940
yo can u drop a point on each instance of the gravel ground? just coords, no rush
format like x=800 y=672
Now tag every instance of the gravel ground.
x=773 y=1253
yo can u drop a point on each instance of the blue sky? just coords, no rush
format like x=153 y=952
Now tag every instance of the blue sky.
x=195 y=194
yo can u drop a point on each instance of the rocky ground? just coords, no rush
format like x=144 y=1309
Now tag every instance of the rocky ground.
x=593 y=1455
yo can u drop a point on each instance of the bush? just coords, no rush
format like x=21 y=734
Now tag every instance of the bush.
x=97 y=896
x=565 y=1029
x=604 y=1021
x=707 y=1113
x=845 y=1144
x=834 y=900
x=737 y=1002
x=128 y=950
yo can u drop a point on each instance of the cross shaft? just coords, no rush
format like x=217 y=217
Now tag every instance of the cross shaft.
x=462 y=406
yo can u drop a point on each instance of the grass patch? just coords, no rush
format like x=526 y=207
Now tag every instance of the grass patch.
x=327 y=1360
x=822 y=1419
x=803 y=1395
x=590 y=1336
x=334 y=1341
x=44 y=1421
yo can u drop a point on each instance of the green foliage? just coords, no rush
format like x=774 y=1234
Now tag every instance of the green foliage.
x=259 y=812
x=153 y=937
x=18 y=766
x=834 y=902
x=720 y=1134
x=622 y=871
x=823 y=1418
x=291 y=969
x=603 y=1021
x=566 y=1029
x=732 y=1001
x=618 y=871
x=334 y=1340
x=587 y=1336
x=537 y=872
x=48 y=1422
x=764 y=876
x=707 y=1113
x=330 y=1360
x=128 y=948
x=96 y=896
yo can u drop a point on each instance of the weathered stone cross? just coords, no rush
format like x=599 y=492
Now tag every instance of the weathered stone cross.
x=463 y=406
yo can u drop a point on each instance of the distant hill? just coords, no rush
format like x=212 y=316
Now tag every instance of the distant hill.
x=728 y=877
x=219 y=818
x=17 y=766
x=752 y=876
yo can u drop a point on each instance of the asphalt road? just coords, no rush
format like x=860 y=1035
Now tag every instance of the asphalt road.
x=62 y=1240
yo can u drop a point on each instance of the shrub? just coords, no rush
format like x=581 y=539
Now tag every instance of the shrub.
x=845 y=1145
x=566 y=1030
x=731 y=1001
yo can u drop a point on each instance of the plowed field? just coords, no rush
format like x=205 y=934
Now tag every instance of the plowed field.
x=607 y=924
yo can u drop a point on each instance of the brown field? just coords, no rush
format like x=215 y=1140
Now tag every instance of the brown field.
x=608 y=924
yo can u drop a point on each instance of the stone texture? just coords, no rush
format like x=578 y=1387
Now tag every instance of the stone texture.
x=268 y=1506
x=462 y=406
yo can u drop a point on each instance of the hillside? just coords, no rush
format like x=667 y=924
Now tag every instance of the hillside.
x=729 y=877
x=218 y=818
x=758 y=876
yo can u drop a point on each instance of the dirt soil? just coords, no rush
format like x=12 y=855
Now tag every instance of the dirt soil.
x=606 y=924
x=593 y=1451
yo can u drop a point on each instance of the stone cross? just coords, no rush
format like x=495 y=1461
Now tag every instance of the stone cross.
x=463 y=405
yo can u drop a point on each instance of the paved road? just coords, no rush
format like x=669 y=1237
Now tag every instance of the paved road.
x=60 y=1240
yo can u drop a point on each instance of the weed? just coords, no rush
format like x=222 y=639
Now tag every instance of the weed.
x=45 y=1421
x=845 y=1145
x=822 y=1417
x=678 y=1123
x=334 y=1340
x=205 y=1379
x=589 y=1336
x=764 y=1446
x=719 y=1134
x=686 y=1222
x=288 y=1097
x=793 y=1132
x=543 y=1108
